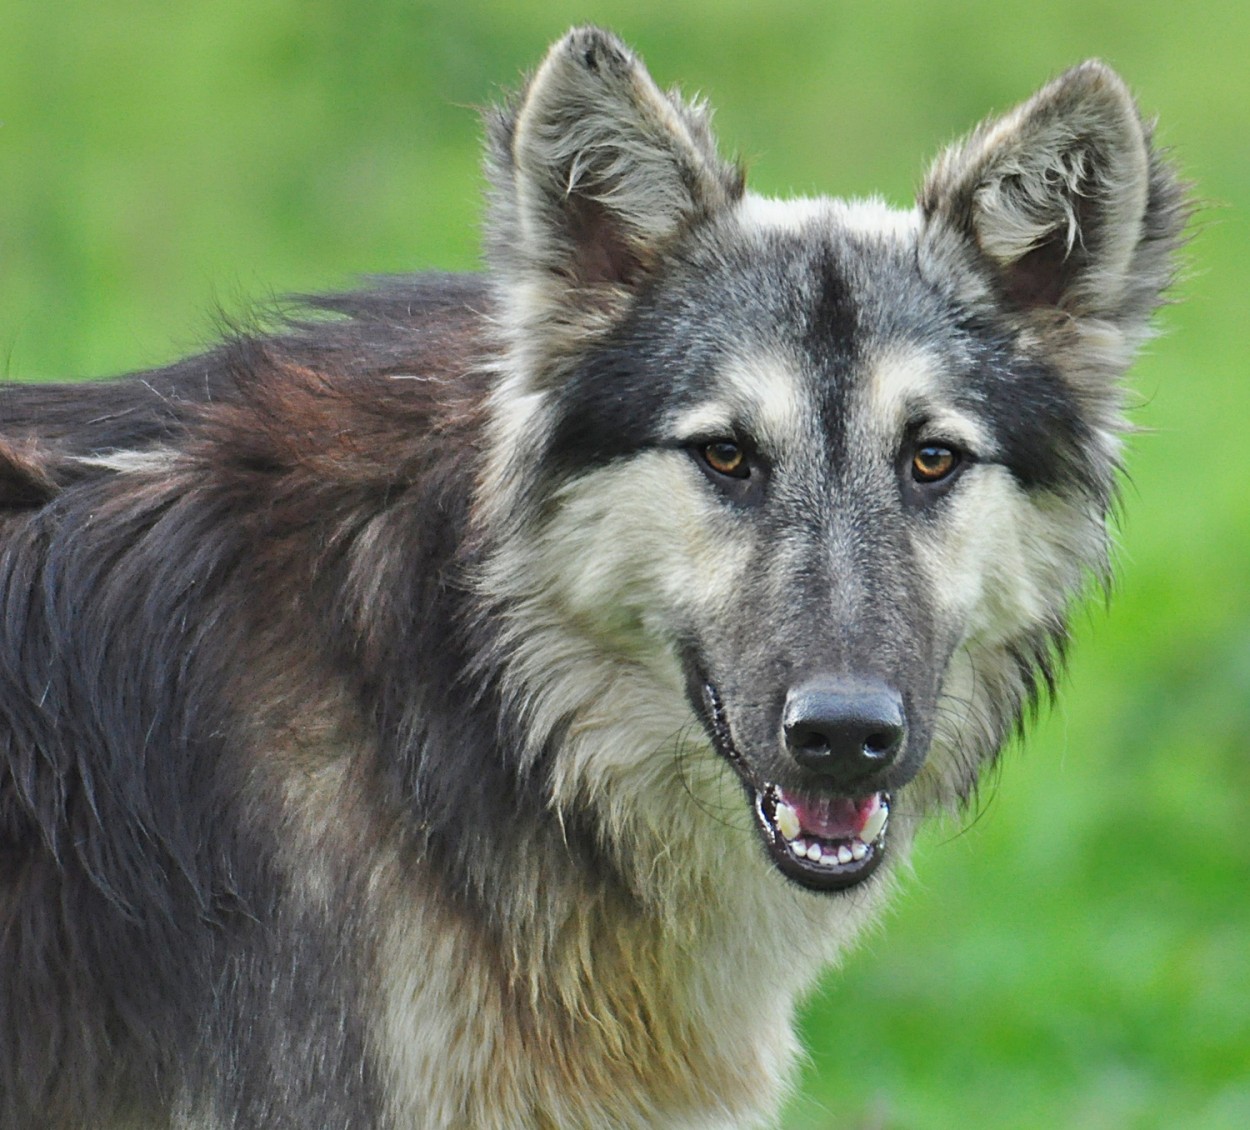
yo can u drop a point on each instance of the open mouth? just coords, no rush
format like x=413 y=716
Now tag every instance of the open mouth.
x=823 y=842
x=826 y=843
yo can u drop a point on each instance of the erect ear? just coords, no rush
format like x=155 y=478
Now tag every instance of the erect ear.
x=594 y=172
x=1065 y=202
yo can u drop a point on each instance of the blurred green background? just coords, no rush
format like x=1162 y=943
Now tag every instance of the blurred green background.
x=1074 y=953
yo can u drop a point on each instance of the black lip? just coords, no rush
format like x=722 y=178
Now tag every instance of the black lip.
x=814 y=876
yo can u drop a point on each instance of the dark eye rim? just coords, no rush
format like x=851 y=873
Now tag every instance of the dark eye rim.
x=744 y=484
x=737 y=454
x=740 y=474
x=949 y=456
x=922 y=488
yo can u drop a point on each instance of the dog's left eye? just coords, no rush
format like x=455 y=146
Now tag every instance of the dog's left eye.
x=934 y=462
x=726 y=457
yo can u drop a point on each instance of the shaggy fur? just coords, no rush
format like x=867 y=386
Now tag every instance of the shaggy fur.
x=448 y=709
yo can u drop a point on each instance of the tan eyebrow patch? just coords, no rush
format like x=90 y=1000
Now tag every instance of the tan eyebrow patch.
x=762 y=393
x=903 y=384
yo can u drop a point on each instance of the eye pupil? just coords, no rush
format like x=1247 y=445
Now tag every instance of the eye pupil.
x=726 y=458
x=932 y=463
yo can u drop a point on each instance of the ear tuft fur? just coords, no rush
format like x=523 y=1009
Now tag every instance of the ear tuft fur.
x=594 y=172
x=1065 y=201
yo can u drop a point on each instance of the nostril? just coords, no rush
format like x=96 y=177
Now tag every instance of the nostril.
x=882 y=743
x=807 y=740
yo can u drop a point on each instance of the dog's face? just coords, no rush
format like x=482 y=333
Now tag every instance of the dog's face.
x=825 y=476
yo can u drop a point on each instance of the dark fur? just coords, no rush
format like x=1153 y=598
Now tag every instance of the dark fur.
x=139 y=611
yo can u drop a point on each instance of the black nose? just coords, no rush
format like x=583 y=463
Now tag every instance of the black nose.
x=845 y=731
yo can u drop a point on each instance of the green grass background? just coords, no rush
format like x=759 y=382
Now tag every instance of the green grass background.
x=1076 y=953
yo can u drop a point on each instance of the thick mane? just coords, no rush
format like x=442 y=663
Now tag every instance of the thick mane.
x=199 y=564
x=260 y=463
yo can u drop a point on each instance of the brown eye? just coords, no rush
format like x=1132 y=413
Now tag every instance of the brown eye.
x=933 y=463
x=726 y=458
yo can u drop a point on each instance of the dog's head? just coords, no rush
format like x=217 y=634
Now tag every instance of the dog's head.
x=824 y=475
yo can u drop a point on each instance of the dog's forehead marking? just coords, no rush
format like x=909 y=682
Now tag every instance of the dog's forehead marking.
x=872 y=216
x=793 y=215
x=761 y=392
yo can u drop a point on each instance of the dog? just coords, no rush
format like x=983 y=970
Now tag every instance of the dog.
x=490 y=702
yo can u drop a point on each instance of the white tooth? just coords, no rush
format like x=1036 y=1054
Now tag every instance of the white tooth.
x=859 y=850
x=799 y=847
x=787 y=820
x=875 y=824
x=844 y=854
x=813 y=852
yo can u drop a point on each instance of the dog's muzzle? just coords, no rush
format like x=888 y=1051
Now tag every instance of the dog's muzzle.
x=829 y=832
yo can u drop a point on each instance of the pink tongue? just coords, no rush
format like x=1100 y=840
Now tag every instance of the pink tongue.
x=833 y=818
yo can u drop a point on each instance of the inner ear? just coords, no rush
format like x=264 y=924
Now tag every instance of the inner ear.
x=1039 y=278
x=596 y=172
x=1043 y=274
x=1053 y=195
x=604 y=255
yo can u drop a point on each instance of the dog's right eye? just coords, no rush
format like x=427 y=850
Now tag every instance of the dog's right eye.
x=726 y=457
x=934 y=462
